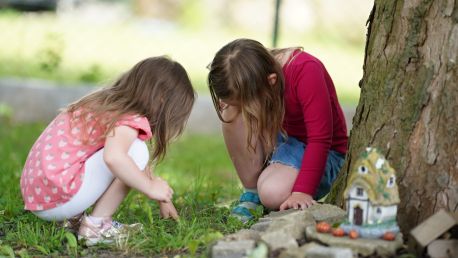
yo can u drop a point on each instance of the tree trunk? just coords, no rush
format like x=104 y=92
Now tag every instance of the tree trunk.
x=409 y=104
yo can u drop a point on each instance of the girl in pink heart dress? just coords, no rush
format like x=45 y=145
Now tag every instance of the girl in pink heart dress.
x=94 y=151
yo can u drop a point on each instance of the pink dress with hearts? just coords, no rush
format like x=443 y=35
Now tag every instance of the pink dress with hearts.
x=54 y=169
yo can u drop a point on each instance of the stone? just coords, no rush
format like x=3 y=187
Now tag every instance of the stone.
x=315 y=250
x=443 y=248
x=261 y=251
x=293 y=224
x=362 y=246
x=277 y=214
x=328 y=252
x=277 y=240
x=244 y=234
x=320 y=212
x=261 y=226
x=233 y=249
x=297 y=252
x=265 y=219
x=293 y=215
x=327 y=212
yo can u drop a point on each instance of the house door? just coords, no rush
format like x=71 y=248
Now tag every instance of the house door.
x=357 y=216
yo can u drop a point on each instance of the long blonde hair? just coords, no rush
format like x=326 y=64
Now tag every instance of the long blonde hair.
x=157 y=88
x=240 y=71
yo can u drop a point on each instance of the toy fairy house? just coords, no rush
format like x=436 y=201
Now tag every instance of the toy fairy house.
x=371 y=196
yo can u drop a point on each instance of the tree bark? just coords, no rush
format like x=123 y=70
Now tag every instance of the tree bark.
x=409 y=104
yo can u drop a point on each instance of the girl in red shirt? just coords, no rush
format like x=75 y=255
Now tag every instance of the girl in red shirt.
x=282 y=123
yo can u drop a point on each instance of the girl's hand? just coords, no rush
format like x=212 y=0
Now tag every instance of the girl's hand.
x=167 y=210
x=160 y=190
x=298 y=200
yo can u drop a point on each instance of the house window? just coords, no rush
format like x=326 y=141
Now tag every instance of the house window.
x=379 y=211
x=362 y=170
x=391 y=181
x=359 y=191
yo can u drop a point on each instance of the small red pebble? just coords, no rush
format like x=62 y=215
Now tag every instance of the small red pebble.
x=353 y=234
x=338 y=232
x=389 y=236
x=323 y=227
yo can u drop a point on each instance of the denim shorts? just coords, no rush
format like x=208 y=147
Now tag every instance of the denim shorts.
x=291 y=152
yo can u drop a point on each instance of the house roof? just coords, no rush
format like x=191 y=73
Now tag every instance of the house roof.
x=373 y=173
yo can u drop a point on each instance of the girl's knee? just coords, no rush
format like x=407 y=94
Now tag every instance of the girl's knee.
x=138 y=151
x=275 y=184
x=271 y=195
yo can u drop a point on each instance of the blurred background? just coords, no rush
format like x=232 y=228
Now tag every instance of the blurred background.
x=73 y=42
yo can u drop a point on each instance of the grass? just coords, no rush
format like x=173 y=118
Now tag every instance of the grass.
x=197 y=167
x=72 y=50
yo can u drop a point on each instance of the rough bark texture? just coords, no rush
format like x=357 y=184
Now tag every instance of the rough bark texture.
x=409 y=104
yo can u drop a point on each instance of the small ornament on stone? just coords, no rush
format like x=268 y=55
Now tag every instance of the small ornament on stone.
x=371 y=198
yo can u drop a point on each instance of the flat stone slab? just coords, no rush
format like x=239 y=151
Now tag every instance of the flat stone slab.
x=276 y=214
x=261 y=226
x=317 y=251
x=320 y=212
x=278 y=240
x=244 y=234
x=284 y=229
x=327 y=212
x=292 y=224
x=233 y=249
x=361 y=246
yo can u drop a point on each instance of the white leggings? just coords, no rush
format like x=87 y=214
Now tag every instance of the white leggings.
x=97 y=179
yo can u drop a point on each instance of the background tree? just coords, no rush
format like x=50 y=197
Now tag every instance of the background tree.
x=409 y=104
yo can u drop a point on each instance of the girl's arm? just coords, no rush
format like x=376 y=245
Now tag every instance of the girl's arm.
x=313 y=96
x=122 y=166
x=167 y=209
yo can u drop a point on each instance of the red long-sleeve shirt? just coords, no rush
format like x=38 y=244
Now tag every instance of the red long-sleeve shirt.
x=314 y=116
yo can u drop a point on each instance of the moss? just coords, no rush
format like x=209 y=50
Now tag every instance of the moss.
x=383 y=79
x=389 y=12
x=417 y=24
x=455 y=14
x=420 y=94
x=334 y=196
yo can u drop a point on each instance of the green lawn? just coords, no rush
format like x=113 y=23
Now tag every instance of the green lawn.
x=69 y=50
x=197 y=167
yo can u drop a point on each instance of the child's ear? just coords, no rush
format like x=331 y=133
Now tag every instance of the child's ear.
x=272 y=79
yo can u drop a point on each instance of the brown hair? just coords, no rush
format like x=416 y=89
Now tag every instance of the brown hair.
x=239 y=71
x=157 y=88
